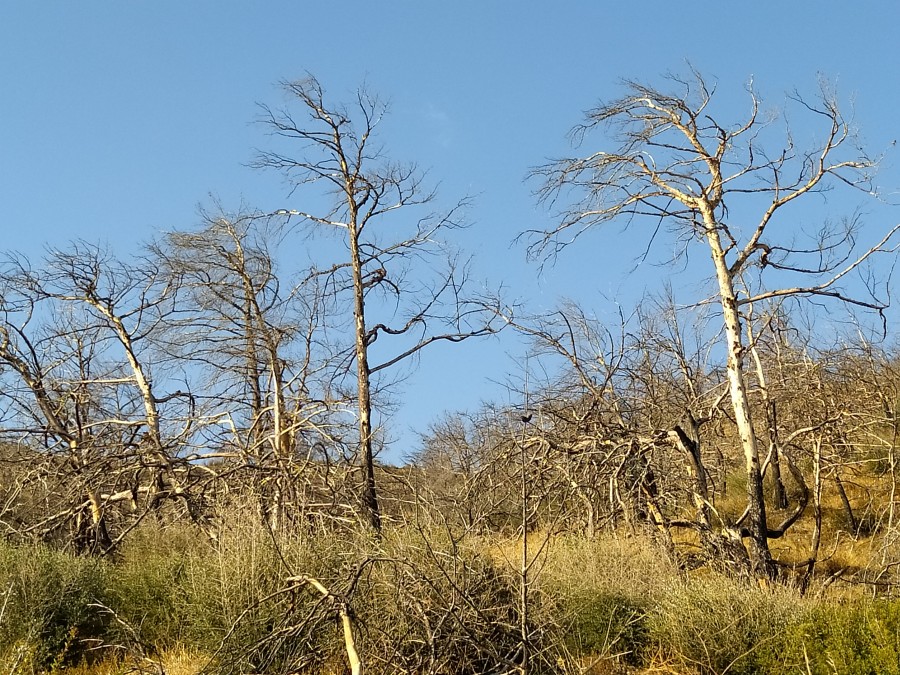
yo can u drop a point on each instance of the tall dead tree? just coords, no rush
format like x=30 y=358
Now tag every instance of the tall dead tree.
x=338 y=151
x=670 y=162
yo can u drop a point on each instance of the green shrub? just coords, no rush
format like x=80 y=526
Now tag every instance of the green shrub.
x=860 y=638
x=238 y=607
x=48 y=604
x=716 y=625
x=604 y=624
x=422 y=601
x=147 y=589
x=597 y=593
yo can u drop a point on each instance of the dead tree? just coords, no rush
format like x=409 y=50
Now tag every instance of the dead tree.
x=671 y=162
x=255 y=339
x=76 y=338
x=338 y=151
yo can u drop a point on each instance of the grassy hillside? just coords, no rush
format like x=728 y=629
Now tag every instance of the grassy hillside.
x=425 y=599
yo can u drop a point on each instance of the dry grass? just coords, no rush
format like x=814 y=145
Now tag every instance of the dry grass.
x=607 y=605
x=843 y=552
x=177 y=661
x=182 y=661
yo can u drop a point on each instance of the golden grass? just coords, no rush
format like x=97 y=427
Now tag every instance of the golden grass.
x=176 y=661
x=841 y=550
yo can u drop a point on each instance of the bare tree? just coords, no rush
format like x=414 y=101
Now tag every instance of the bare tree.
x=673 y=164
x=622 y=414
x=53 y=454
x=76 y=340
x=258 y=346
x=232 y=317
x=338 y=151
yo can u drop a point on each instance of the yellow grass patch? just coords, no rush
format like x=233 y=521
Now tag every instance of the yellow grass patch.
x=176 y=661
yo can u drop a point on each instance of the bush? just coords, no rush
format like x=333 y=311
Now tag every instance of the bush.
x=604 y=624
x=422 y=601
x=48 y=605
x=435 y=604
x=634 y=567
x=148 y=588
x=597 y=594
x=717 y=625
x=238 y=606
x=860 y=638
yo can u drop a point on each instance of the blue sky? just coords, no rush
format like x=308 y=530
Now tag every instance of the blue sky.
x=118 y=119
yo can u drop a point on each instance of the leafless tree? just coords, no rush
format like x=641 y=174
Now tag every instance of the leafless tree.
x=257 y=343
x=338 y=151
x=672 y=164
x=48 y=427
x=80 y=396
x=453 y=466
x=622 y=414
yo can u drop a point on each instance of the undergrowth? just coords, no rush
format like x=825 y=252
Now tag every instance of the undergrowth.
x=422 y=600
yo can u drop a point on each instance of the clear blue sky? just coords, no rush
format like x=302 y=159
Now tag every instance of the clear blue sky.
x=118 y=119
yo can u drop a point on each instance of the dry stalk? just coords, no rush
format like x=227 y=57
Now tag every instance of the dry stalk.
x=343 y=612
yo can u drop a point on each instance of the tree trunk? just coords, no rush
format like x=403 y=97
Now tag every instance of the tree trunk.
x=760 y=557
x=689 y=445
x=845 y=501
x=817 y=529
x=363 y=375
x=779 y=494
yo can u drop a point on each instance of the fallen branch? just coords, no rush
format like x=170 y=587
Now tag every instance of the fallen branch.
x=343 y=611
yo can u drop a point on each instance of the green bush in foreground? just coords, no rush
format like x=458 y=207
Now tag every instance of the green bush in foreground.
x=861 y=638
x=238 y=607
x=599 y=593
x=48 y=599
x=605 y=625
x=148 y=589
x=717 y=625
